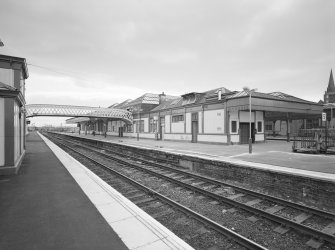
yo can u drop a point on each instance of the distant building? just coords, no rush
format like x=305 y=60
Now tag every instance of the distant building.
x=214 y=116
x=329 y=101
x=13 y=72
x=329 y=96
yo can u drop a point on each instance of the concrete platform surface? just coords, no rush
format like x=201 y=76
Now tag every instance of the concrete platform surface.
x=57 y=203
x=272 y=155
x=43 y=208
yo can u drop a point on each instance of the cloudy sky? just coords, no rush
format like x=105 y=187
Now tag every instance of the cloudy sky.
x=97 y=53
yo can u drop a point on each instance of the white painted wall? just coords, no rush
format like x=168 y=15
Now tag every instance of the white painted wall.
x=188 y=123
x=23 y=137
x=233 y=116
x=259 y=118
x=178 y=137
x=212 y=138
x=259 y=115
x=2 y=131
x=259 y=137
x=214 y=121
x=16 y=132
x=167 y=123
x=109 y=126
x=235 y=138
x=177 y=127
x=7 y=76
x=200 y=122
x=146 y=124
x=245 y=116
x=134 y=135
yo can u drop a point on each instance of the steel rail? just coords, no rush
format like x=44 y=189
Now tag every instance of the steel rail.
x=305 y=229
x=307 y=209
x=212 y=224
x=281 y=220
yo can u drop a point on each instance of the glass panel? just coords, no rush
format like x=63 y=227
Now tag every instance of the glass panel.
x=233 y=126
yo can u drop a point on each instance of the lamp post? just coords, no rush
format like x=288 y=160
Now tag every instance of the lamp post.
x=139 y=110
x=250 y=132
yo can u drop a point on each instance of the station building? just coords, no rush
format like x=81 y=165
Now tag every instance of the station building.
x=214 y=116
x=13 y=72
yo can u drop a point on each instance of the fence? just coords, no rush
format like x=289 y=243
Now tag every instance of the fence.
x=315 y=140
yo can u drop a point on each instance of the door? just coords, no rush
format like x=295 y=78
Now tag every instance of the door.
x=194 y=131
x=244 y=132
x=194 y=128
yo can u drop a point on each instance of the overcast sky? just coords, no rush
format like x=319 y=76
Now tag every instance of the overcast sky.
x=96 y=53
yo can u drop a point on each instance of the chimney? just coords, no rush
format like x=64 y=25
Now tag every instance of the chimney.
x=162 y=98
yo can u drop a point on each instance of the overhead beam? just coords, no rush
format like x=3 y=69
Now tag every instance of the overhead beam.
x=77 y=111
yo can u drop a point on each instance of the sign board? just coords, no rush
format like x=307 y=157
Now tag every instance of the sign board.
x=324 y=116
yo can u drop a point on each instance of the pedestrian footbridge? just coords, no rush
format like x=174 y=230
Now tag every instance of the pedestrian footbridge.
x=77 y=111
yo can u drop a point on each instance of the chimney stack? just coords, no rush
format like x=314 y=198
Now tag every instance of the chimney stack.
x=162 y=98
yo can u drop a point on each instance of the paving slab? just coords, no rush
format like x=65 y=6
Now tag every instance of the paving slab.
x=135 y=227
x=43 y=208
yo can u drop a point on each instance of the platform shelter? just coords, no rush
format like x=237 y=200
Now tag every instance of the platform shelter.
x=13 y=73
x=214 y=116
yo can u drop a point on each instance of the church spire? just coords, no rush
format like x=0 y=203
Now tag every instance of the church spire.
x=331 y=86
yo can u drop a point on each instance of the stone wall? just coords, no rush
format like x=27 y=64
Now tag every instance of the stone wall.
x=299 y=189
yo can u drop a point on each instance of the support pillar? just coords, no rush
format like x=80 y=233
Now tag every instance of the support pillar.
x=288 y=130
x=274 y=128
x=104 y=127
x=227 y=127
x=305 y=123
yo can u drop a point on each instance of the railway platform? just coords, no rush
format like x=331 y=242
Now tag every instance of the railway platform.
x=275 y=156
x=56 y=203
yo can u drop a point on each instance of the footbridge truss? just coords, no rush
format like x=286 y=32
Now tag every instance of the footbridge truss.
x=77 y=111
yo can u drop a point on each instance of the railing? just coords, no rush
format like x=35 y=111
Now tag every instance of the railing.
x=314 y=140
x=77 y=111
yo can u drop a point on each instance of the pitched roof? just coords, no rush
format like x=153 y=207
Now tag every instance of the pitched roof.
x=120 y=105
x=149 y=98
x=199 y=98
x=331 y=86
x=273 y=96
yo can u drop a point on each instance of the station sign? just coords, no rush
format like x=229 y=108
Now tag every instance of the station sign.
x=324 y=116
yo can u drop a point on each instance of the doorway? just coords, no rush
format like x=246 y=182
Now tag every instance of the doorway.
x=244 y=132
x=194 y=128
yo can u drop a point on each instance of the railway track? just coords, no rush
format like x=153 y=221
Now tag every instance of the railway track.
x=161 y=205
x=304 y=219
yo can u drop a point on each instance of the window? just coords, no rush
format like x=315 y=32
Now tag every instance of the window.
x=312 y=123
x=177 y=118
x=268 y=127
x=152 y=126
x=129 y=128
x=141 y=126
x=234 y=126
x=259 y=126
